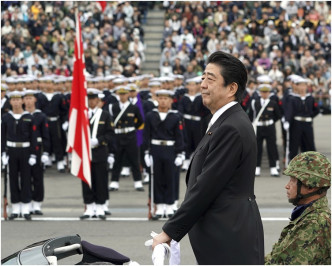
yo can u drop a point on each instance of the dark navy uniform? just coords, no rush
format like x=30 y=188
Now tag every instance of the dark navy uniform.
x=19 y=141
x=99 y=175
x=43 y=147
x=299 y=113
x=266 y=128
x=164 y=140
x=125 y=136
x=192 y=109
x=56 y=111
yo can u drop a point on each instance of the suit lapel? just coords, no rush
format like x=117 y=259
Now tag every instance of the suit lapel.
x=209 y=133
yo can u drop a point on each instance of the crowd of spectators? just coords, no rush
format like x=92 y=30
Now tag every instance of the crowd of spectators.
x=37 y=38
x=270 y=37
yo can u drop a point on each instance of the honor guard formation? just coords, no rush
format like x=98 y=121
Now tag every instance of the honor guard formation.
x=147 y=124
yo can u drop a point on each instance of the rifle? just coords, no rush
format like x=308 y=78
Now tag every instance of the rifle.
x=151 y=196
x=5 y=201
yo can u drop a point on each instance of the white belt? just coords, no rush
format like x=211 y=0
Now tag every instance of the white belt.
x=303 y=119
x=18 y=144
x=39 y=139
x=265 y=123
x=124 y=130
x=192 y=117
x=162 y=142
x=53 y=118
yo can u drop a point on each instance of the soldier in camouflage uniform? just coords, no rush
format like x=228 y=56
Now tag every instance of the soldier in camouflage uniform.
x=307 y=238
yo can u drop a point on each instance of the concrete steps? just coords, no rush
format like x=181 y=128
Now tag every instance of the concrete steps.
x=153 y=30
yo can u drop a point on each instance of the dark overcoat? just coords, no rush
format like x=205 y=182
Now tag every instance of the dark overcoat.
x=219 y=210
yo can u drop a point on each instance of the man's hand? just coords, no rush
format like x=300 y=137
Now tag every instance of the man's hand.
x=4 y=158
x=94 y=142
x=161 y=238
x=44 y=158
x=286 y=125
x=110 y=160
x=148 y=160
x=32 y=160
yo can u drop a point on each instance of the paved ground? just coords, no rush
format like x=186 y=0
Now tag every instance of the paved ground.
x=127 y=228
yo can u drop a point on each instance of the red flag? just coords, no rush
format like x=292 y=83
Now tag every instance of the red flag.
x=79 y=129
x=103 y=5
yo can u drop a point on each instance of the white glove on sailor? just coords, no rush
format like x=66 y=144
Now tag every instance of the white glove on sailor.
x=32 y=160
x=110 y=160
x=148 y=160
x=286 y=125
x=4 y=158
x=160 y=252
x=94 y=142
x=178 y=160
x=65 y=126
x=44 y=158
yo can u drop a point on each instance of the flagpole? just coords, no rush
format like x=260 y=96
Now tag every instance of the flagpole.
x=79 y=129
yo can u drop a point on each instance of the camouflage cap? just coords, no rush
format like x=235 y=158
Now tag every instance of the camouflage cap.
x=312 y=168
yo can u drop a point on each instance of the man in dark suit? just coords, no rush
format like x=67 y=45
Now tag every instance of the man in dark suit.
x=219 y=210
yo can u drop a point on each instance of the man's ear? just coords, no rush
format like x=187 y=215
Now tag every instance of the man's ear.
x=233 y=87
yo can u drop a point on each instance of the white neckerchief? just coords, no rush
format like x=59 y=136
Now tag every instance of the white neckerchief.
x=219 y=113
x=49 y=95
x=162 y=116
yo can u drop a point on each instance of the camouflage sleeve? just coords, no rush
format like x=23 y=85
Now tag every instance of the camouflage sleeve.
x=307 y=242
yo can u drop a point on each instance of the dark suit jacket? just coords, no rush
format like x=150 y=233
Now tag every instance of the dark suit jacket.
x=219 y=210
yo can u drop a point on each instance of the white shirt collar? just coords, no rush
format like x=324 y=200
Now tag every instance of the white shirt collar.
x=220 y=112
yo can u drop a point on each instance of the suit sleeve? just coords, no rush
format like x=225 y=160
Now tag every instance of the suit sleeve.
x=219 y=166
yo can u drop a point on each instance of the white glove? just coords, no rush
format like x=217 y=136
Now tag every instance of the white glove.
x=286 y=125
x=32 y=160
x=4 y=158
x=148 y=160
x=178 y=160
x=94 y=143
x=44 y=158
x=65 y=126
x=110 y=160
x=160 y=252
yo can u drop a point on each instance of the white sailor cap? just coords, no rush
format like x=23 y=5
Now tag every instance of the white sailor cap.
x=98 y=79
x=293 y=77
x=154 y=83
x=60 y=80
x=165 y=93
x=15 y=94
x=198 y=79
x=45 y=79
x=191 y=80
x=300 y=80
x=11 y=80
x=94 y=93
x=264 y=79
x=145 y=76
x=179 y=76
x=119 y=80
x=29 y=93
x=109 y=77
